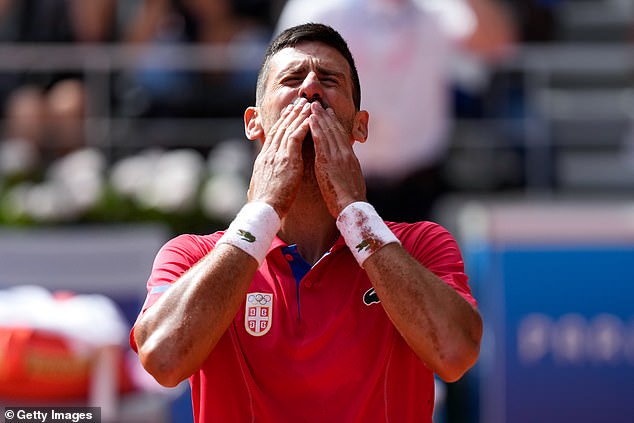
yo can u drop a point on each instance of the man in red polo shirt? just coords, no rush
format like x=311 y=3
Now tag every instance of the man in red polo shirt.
x=309 y=307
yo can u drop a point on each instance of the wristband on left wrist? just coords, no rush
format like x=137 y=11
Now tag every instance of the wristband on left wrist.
x=364 y=230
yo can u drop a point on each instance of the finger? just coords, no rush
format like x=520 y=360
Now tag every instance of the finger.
x=298 y=124
x=271 y=141
x=327 y=130
x=291 y=117
x=317 y=126
x=337 y=132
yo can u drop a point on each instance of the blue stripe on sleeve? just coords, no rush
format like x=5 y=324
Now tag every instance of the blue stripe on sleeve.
x=159 y=289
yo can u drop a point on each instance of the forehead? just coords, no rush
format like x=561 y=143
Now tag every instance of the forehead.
x=309 y=55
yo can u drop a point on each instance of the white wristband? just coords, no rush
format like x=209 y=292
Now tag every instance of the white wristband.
x=253 y=230
x=363 y=230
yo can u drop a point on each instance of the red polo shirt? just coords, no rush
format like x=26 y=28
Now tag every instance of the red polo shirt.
x=313 y=346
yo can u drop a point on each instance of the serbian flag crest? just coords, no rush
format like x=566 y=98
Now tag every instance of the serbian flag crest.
x=258 y=313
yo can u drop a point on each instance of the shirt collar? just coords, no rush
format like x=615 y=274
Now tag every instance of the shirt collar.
x=278 y=243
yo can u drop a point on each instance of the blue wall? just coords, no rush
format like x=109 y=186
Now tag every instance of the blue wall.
x=559 y=341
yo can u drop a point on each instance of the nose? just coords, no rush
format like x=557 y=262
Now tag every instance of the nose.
x=311 y=88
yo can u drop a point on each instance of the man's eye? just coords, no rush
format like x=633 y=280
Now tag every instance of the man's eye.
x=291 y=81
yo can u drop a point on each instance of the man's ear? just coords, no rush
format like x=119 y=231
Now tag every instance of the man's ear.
x=360 y=126
x=253 y=124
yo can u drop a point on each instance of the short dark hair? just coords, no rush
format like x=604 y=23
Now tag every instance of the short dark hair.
x=308 y=32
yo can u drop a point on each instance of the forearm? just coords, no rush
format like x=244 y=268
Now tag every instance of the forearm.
x=442 y=328
x=176 y=335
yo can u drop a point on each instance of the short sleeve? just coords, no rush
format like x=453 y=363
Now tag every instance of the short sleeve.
x=436 y=249
x=173 y=259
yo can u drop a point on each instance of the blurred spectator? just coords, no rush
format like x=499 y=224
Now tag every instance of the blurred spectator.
x=160 y=91
x=537 y=19
x=405 y=51
x=44 y=110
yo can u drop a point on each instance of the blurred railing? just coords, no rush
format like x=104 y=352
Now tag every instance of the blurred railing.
x=575 y=106
x=573 y=96
x=98 y=64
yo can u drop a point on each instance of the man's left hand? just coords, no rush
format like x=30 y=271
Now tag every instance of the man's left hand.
x=337 y=168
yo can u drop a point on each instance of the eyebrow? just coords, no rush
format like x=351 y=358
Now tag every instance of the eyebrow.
x=321 y=70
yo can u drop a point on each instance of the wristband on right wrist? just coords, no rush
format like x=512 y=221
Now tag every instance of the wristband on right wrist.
x=253 y=230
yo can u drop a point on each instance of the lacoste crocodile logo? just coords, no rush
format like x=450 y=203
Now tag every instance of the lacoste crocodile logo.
x=363 y=245
x=370 y=297
x=246 y=235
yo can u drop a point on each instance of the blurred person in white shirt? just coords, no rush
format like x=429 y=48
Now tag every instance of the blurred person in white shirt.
x=407 y=53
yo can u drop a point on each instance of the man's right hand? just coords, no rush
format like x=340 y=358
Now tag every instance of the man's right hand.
x=278 y=168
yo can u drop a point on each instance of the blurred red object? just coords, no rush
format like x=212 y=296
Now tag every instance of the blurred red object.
x=40 y=365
